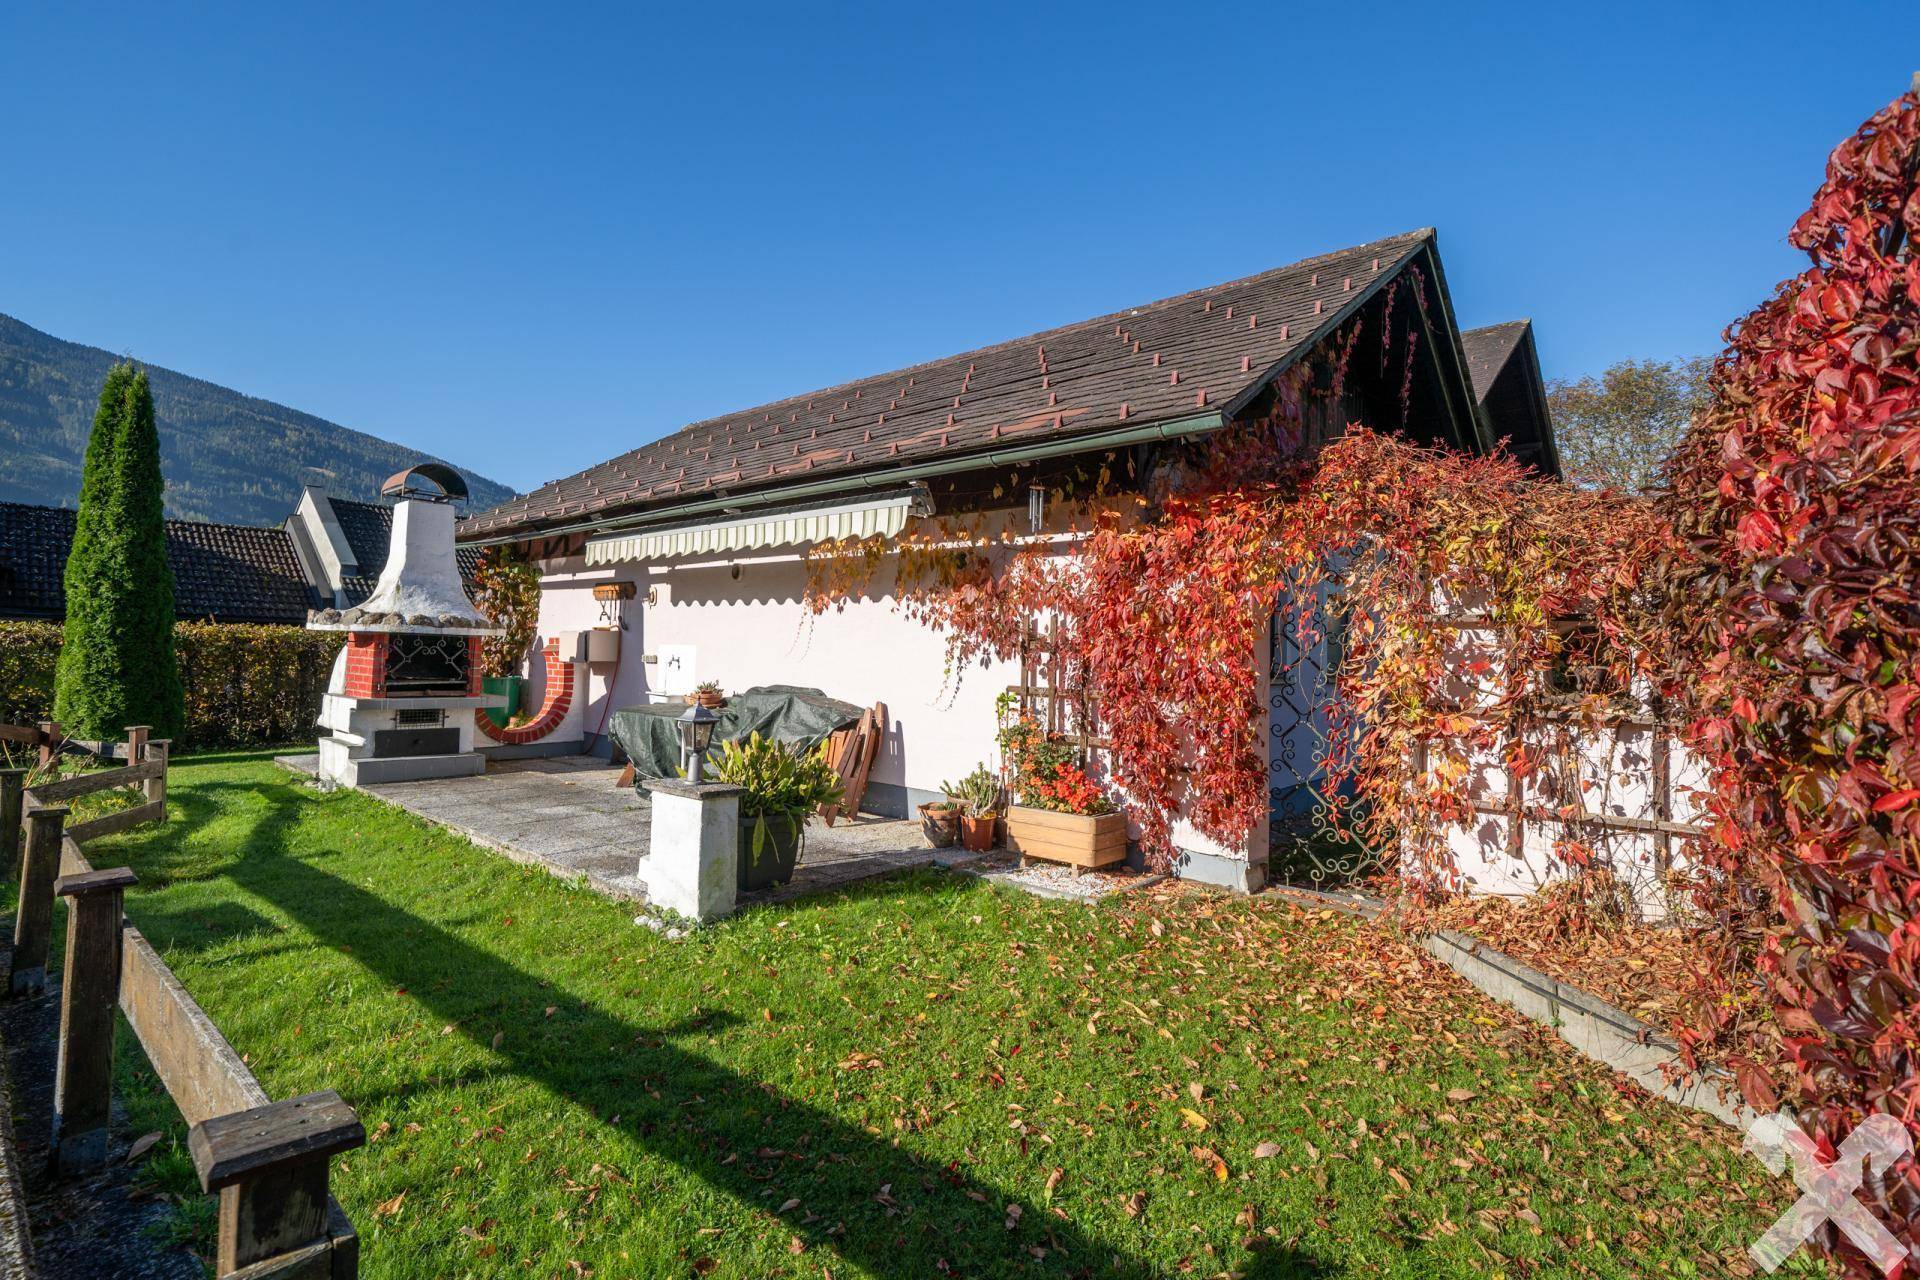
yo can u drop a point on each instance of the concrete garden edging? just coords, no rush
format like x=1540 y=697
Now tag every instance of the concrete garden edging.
x=1608 y=1035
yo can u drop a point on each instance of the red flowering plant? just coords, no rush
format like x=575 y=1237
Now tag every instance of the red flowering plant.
x=1070 y=790
x=1044 y=770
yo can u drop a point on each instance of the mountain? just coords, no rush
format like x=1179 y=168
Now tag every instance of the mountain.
x=227 y=457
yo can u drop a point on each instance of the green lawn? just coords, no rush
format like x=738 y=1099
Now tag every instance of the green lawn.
x=926 y=1076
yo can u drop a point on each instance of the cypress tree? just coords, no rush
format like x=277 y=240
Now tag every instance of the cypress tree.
x=116 y=664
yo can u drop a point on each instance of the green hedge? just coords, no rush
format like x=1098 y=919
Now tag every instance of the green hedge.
x=246 y=685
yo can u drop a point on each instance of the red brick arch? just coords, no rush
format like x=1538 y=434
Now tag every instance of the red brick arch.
x=559 y=697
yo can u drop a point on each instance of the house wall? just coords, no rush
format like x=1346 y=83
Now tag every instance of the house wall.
x=753 y=629
x=1617 y=777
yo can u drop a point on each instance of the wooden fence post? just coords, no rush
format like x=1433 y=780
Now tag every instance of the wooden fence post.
x=12 y=782
x=156 y=788
x=89 y=993
x=49 y=742
x=33 y=918
x=269 y=1165
x=137 y=742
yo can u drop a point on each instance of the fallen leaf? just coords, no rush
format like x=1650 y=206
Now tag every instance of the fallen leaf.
x=1053 y=1179
x=789 y=1205
x=498 y=1038
x=796 y=1245
x=1266 y=1151
x=1193 y=1118
x=141 y=1145
x=387 y=1208
x=1461 y=1095
x=1136 y=1204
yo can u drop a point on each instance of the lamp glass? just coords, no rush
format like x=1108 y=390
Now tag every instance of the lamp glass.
x=696 y=735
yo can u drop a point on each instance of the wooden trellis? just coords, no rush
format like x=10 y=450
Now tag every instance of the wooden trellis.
x=1049 y=692
x=1525 y=733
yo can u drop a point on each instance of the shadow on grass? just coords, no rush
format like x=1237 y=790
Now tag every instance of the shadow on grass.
x=880 y=1207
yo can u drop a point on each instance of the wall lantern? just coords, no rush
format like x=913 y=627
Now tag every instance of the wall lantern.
x=696 y=735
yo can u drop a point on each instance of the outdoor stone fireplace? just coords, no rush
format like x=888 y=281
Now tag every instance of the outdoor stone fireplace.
x=399 y=704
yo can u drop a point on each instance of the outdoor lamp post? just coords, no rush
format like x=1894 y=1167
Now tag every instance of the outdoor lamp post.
x=696 y=734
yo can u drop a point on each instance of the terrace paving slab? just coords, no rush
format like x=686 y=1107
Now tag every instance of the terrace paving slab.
x=570 y=816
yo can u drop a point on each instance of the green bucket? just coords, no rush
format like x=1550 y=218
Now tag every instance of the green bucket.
x=507 y=690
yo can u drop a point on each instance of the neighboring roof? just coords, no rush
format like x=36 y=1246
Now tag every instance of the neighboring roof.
x=1489 y=349
x=1163 y=361
x=1505 y=367
x=221 y=572
x=368 y=527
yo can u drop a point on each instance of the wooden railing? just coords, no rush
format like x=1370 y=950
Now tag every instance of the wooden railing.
x=268 y=1161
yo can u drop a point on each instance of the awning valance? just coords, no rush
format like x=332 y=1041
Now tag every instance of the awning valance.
x=886 y=516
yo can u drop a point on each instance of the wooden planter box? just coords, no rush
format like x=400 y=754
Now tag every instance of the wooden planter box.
x=1080 y=839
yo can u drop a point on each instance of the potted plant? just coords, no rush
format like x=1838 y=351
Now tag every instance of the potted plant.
x=507 y=590
x=707 y=694
x=940 y=823
x=783 y=787
x=978 y=795
x=1067 y=818
x=1059 y=812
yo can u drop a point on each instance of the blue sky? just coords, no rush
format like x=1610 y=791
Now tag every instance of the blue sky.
x=529 y=238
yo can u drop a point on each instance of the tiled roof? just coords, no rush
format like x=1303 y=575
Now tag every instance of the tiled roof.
x=1157 y=362
x=221 y=572
x=368 y=527
x=1488 y=351
x=1504 y=366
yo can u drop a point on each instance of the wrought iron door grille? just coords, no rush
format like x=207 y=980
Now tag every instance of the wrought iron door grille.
x=1304 y=845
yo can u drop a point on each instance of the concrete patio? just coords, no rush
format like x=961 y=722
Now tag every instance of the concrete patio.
x=569 y=815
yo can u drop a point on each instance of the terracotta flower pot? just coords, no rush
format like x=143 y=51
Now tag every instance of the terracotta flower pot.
x=976 y=834
x=940 y=823
x=711 y=701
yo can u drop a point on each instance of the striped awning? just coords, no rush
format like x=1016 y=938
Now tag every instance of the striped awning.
x=885 y=516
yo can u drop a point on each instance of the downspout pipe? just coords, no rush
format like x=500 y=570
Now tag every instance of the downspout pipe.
x=1178 y=428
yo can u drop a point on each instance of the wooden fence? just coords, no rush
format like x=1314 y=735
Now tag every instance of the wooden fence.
x=268 y=1161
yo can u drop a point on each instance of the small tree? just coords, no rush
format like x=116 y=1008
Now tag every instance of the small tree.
x=1619 y=428
x=116 y=664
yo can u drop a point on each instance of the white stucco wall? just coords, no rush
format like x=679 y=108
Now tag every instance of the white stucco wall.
x=1615 y=772
x=753 y=629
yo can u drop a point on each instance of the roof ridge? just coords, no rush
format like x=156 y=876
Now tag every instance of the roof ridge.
x=225 y=524
x=1419 y=235
x=1165 y=358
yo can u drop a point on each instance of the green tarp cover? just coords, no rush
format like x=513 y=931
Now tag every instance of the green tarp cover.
x=785 y=713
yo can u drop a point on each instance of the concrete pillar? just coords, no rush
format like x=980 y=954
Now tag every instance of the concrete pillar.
x=693 y=863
